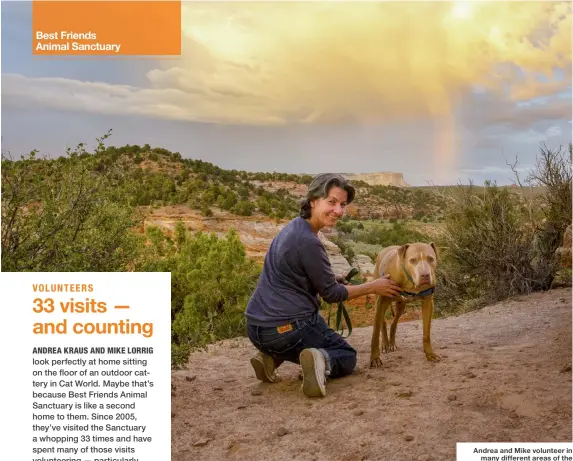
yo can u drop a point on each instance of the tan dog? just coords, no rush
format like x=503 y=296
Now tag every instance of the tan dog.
x=413 y=268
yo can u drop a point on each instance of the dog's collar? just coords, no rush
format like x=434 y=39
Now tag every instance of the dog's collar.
x=427 y=292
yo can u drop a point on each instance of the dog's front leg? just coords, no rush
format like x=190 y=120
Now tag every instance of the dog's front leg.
x=400 y=307
x=381 y=306
x=427 y=312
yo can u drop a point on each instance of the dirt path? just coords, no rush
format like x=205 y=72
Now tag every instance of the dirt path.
x=505 y=376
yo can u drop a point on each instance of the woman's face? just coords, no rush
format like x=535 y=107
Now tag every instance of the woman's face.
x=327 y=211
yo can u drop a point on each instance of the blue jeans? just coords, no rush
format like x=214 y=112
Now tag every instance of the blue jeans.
x=302 y=334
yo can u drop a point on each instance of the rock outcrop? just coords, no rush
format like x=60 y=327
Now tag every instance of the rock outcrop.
x=255 y=232
x=338 y=262
x=297 y=190
x=372 y=209
x=379 y=179
x=364 y=264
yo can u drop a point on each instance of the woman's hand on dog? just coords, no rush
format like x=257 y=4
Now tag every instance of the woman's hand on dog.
x=385 y=286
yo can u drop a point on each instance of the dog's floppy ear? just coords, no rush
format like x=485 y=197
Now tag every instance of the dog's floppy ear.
x=432 y=244
x=402 y=251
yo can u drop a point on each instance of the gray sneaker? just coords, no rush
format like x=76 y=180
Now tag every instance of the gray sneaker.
x=313 y=366
x=264 y=367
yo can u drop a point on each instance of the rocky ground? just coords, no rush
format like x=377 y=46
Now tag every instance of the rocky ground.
x=505 y=376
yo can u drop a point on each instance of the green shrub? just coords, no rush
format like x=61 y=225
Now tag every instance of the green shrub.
x=243 y=208
x=211 y=282
x=553 y=174
x=489 y=249
x=62 y=215
x=381 y=235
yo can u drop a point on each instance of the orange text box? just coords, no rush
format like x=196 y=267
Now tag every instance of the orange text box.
x=106 y=28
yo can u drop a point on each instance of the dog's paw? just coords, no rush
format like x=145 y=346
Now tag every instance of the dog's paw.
x=432 y=357
x=375 y=363
x=389 y=348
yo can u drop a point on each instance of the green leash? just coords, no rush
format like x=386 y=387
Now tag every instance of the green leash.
x=342 y=309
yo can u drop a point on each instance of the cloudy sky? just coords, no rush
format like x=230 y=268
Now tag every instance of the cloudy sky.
x=439 y=91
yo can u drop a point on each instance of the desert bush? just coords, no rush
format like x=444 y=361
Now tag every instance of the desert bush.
x=243 y=208
x=346 y=226
x=397 y=234
x=206 y=211
x=211 y=282
x=63 y=215
x=552 y=173
x=489 y=246
x=497 y=243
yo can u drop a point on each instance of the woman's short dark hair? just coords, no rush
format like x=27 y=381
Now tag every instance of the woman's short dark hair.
x=319 y=188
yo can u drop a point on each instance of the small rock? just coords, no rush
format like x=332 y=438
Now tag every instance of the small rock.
x=409 y=438
x=190 y=378
x=452 y=397
x=256 y=392
x=352 y=406
x=229 y=444
x=230 y=380
x=172 y=394
x=282 y=432
x=201 y=443
x=358 y=413
x=217 y=388
x=173 y=414
x=565 y=369
x=405 y=395
x=240 y=407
